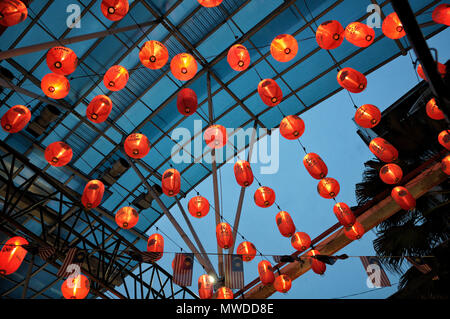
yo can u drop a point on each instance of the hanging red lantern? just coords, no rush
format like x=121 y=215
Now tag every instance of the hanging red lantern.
x=316 y=265
x=315 y=166
x=441 y=14
x=300 y=241
x=114 y=10
x=12 y=255
x=359 y=34
x=328 y=187
x=384 y=150
x=116 y=78
x=265 y=272
x=344 y=214
x=127 y=217
x=391 y=173
x=92 y=194
x=205 y=287
x=154 y=55
x=12 y=12
x=187 y=101
x=62 y=60
x=198 y=206
x=15 y=119
x=433 y=111
x=403 y=197
x=352 y=80
x=238 y=57
x=392 y=27
x=215 y=136
x=243 y=173
x=444 y=139
x=155 y=244
x=247 y=250
x=292 y=127
x=99 y=109
x=136 y=145
x=367 y=116
x=76 y=287
x=282 y=283
x=264 y=196
x=224 y=235
x=284 y=48
x=224 y=293
x=354 y=232
x=183 y=66
x=171 y=182
x=55 y=86
x=210 y=3
x=270 y=92
x=445 y=165
x=442 y=70
x=330 y=35
x=58 y=154
x=285 y=224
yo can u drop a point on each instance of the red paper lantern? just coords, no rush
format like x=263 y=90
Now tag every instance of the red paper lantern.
x=330 y=35
x=15 y=119
x=114 y=10
x=316 y=265
x=187 y=101
x=210 y=3
x=356 y=231
x=12 y=12
x=315 y=166
x=284 y=48
x=391 y=173
x=285 y=224
x=265 y=271
x=433 y=111
x=243 y=173
x=92 y=194
x=127 y=217
x=224 y=293
x=359 y=34
x=445 y=165
x=55 y=86
x=215 y=136
x=238 y=57
x=171 y=182
x=76 y=287
x=444 y=139
x=300 y=241
x=264 y=196
x=344 y=214
x=62 y=60
x=58 y=154
x=270 y=92
x=392 y=27
x=247 y=250
x=367 y=116
x=155 y=244
x=205 y=287
x=99 y=109
x=328 y=187
x=352 y=80
x=403 y=197
x=154 y=55
x=224 y=235
x=384 y=150
x=12 y=255
x=136 y=145
x=441 y=14
x=116 y=78
x=198 y=206
x=183 y=66
x=292 y=127
x=441 y=68
x=282 y=283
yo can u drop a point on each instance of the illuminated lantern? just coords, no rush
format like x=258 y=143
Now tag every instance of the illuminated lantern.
x=62 y=60
x=171 y=182
x=441 y=68
x=155 y=244
x=247 y=250
x=75 y=287
x=330 y=35
x=300 y=241
x=136 y=145
x=215 y=136
x=198 y=206
x=114 y=10
x=265 y=271
x=392 y=27
x=359 y=34
x=205 y=287
x=12 y=12
x=285 y=224
x=210 y=3
x=282 y=283
x=444 y=139
x=183 y=66
x=354 y=232
x=367 y=116
x=224 y=235
x=403 y=197
x=224 y=293
x=187 y=101
x=391 y=173
x=243 y=173
x=99 y=109
x=238 y=57
x=344 y=214
x=433 y=110
x=116 y=78
x=92 y=194
x=15 y=119
x=284 y=47
x=441 y=14
x=352 y=80
x=316 y=265
x=292 y=127
x=270 y=92
x=328 y=187
x=12 y=255
x=315 y=166
x=127 y=217
x=264 y=196
x=58 y=154
x=445 y=165
x=384 y=150
x=154 y=55
x=55 y=86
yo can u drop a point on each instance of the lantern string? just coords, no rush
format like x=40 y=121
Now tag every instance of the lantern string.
x=139 y=26
x=310 y=13
x=260 y=78
x=364 y=292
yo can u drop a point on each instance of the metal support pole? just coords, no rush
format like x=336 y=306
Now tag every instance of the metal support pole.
x=27 y=280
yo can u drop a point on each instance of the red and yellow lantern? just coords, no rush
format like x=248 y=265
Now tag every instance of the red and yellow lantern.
x=352 y=80
x=238 y=57
x=441 y=14
x=76 y=287
x=392 y=27
x=282 y=283
x=292 y=127
x=367 y=116
x=265 y=271
x=285 y=224
x=183 y=66
x=198 y=206
x=154 y=55
x=247 y=250
x=15 y=119
x=359 y=34
x=210 y=3
x=391 y=174
x=445 y=165
x=315 y=166
x=93 y=194
x=62 y=60
x=171 y=182
x=284 y=48
x=330 y=35
x=116 y=78
x=99 y=109
x=155 y=244
x=55 y=86
x=205 y=287
x=215 y=136
x=114 y=10
x=403 y=197
x=344 y=214
x=442 y=69
x=58 y=154
x=127 y=217
x=384 y=150
x=224 y=235
x=136 y=145
x=270 y=92
x=12 y=12
x=243 y=173
x=187 y=102
x=12 y=255
x=433 y=111
x=316 y=265
x=300 y=241
x=264 y=196
x=328 y=187
x=224 y=293
x=354 y=232
x=444 y=139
